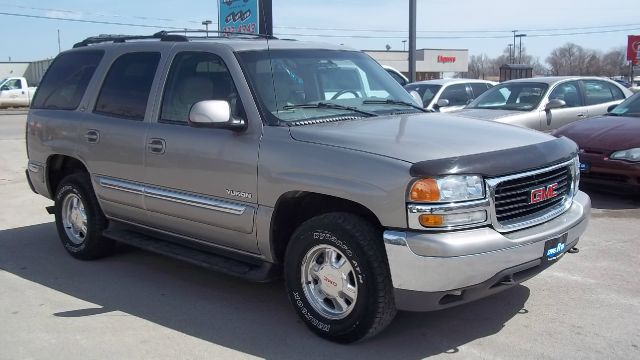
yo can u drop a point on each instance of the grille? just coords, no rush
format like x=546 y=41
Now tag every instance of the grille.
x=512 y=197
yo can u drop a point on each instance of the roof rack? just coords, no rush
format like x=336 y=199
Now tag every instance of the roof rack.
x=168 y=36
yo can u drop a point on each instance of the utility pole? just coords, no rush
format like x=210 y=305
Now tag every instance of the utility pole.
x=404 y=45
x=58 y=41
x=412 y=40
x=514 y=45
x=520 y=36
x=206 y=24
x=510 y=58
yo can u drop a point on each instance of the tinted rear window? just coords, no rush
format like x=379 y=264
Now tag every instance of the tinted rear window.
x=66 y=80
x=126 y=88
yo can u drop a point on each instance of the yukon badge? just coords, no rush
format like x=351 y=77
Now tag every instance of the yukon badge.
x=242 y=194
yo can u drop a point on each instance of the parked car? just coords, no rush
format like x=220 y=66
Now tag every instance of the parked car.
x=15 y=92
x=623 y=82
x=232 y=154
x=446 y=95
x=609 y=146
x=396 y=75
x=546 y=103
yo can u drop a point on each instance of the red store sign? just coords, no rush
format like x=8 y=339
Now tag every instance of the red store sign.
x=446 y=59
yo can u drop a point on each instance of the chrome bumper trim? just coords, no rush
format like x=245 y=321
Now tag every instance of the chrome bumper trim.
x=433 y=262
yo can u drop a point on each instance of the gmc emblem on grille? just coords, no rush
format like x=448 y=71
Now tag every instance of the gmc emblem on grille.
x=542 y=194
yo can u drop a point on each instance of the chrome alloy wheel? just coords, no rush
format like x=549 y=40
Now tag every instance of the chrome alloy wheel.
x=329 y=282
x=74 y=218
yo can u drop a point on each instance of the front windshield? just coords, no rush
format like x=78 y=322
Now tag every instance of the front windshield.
x=427 y=91
x=521 y=96
x=629 y=107
x=289 y=84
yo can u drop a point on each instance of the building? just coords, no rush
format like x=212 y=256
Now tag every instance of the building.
x=32 y=71
x=430 y=63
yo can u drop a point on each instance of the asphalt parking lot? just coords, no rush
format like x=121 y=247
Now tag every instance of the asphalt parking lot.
x=136 y=305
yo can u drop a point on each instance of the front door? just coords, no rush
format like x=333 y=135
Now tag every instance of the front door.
x=13 y=93
x=570 y=92
x=202 y=182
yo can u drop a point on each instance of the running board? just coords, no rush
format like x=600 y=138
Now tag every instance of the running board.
x=263 y=272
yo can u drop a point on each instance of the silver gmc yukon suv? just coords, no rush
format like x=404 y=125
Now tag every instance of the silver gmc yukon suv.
x=258 y=157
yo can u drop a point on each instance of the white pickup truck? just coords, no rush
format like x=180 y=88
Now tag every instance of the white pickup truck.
x=15 y=92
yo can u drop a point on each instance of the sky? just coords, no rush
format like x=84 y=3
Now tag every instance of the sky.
x=480 y=26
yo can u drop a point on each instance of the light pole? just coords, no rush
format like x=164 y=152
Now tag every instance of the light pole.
x=520 y=36
x=404 y=45
x=514 y=44
x=510 y=47
x=206 y=24
x=412 y=40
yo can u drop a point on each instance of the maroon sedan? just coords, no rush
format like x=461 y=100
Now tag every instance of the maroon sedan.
x=609 y=145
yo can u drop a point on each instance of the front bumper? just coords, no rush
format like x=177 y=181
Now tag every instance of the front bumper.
x=607 y=172
x=428 y=267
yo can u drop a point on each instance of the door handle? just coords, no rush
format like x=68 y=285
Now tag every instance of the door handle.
x=156 y=146
x=92 y=136
x=581 y=116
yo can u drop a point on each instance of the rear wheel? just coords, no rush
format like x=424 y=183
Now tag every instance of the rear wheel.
x=79 y=219
x=338 y=279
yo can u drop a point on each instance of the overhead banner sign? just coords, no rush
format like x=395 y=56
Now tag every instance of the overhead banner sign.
x=239 y=16
x=633 y=49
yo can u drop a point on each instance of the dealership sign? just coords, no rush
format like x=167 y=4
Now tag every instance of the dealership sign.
x=238 y=16
x=446 y=59
x=633 y=49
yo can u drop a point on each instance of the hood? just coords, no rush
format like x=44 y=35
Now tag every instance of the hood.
x=489 y=114
x=604 y=133
x=419 y=137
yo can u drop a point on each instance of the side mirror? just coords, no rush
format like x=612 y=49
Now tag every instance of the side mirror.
x=215 y=114
x=442 y=103
x=416 y=96
x=555 y=104
x=610 y=108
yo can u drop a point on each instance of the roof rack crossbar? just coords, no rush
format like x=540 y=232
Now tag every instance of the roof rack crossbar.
x=219 y=33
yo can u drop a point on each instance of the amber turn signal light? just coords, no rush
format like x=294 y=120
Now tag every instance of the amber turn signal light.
x=425 y=190
x=431 y=220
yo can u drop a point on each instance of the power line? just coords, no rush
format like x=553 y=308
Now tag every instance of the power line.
x=93 y=21
x=324 y=29
x=323 y=35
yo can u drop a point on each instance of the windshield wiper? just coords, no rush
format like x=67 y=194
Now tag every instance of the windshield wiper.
x=394 y=102
x=325 y=105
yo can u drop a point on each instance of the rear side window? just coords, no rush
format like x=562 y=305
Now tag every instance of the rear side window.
x=617 y=93
x=66 y=80
x=125 y=90
x=597 y=92
x=479 y=88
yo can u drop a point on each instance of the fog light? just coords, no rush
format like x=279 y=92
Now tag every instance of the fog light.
x=468 y=218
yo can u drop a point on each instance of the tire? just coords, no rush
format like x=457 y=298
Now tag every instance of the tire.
x=80 y=227
x=330 y=306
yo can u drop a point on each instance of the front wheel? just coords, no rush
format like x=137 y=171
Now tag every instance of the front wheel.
x=338 y=279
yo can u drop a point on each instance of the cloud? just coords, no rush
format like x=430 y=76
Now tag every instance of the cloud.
x=75 y=15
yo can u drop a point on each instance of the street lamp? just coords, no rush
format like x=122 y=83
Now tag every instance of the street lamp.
x=404 y=43
x=520 y=56
x=514 y=44
x=510 y=46
x=206 y=24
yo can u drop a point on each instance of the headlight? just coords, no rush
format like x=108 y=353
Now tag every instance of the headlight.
x=448 y=189
x=629 y=155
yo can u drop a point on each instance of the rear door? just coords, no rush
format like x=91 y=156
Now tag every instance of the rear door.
x=202 y=182
x=112 y=134
x=571 y=93
x=599 y=95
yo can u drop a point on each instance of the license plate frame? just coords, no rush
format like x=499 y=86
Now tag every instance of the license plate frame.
x=554 y=249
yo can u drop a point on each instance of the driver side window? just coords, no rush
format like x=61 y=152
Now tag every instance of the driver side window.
x=195 y=77
x=567 y=92
x=456 y=94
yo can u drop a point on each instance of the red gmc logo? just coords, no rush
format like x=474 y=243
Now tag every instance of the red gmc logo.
x=542 y=194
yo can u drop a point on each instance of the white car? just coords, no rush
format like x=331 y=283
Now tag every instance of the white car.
x=446 y=95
